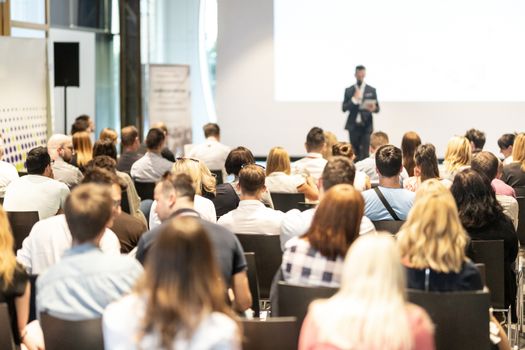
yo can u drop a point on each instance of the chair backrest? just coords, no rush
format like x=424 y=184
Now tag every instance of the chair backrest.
x=294 y=300
x=391 y=226
x=64 y=335
x=521 y=219
x=490 y=253
x=520 y=191
x=145 y=189
x=286 y=201
x=482 y=272
x=274 y=333
x=218 y=176
x=124 y=202
x=7 y=341
x=253 y=282
x=461 y=319
x=21 y=224
x=268 y=257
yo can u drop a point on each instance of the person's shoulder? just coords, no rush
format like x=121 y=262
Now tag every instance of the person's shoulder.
x=216 y=229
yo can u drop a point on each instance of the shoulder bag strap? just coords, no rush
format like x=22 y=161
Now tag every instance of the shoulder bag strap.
x=386 y=204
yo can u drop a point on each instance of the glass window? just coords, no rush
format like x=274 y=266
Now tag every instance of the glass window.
x=33 y=11
x=27 y=33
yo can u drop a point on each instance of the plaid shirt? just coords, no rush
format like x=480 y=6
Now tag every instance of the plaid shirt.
x=304 y=265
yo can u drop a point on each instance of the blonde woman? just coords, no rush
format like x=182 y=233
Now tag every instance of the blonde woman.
x=278 y=178
x=108 y=134
x=370 y=310
x=83 y=149
x=514 y=173
x=330 y=139
x=457 y=156
x=362 y=180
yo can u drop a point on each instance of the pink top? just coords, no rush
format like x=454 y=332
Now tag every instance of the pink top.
x=502 y=188
x=420 y=323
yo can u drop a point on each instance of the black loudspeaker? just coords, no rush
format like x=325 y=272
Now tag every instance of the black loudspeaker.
x=66 y=64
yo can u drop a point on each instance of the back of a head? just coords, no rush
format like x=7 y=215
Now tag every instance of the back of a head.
x=181 y=183
x=155 y=139
x=315 y=140
x=211 y=130
x=426 y=160
x=81 y=124
x=477 y=137
x=409 y=144
x=100 y=176
x=128 y=135
x=518 y=150
x=108 y=134
x=378 y=139
x=343 y=149
x=103 y=162
x=88 y=209
x=192 y=169
x=330 y=141
x=251 y=179
x=278 y=160
x=82 y=142
x=458 y=153
x=55 y=142
x=336 y=221
x=389 y=160
x=485 y=163
x=162 y=126
x=37 y=160
x=338 y=170
x=506 y=140
x=105 y=147
x=237 y=158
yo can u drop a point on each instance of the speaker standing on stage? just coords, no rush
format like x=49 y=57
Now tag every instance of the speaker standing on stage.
x=360 y=101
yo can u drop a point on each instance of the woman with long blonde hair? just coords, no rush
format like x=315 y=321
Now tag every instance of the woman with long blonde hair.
x=370 y=310
x=83 y=149
x=457 y=156
x=514 y=173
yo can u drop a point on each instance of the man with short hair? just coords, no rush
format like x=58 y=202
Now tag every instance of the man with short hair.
x=252 y=216
x=85 y=280
x=152 y=165
x=212 y=152
x=477 y=140
x=506 y=144
x=338 y=170
x=388 y=201
x=37 y=191
x=60 y=148
x=313 y=164
x=174 y=195
x=129 y=138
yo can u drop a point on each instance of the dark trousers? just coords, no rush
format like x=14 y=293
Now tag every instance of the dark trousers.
x=360 y=140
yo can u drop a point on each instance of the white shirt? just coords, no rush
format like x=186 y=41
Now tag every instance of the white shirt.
x=36 y=193
x=150 y=167
x=508 y=160
x=281 y=182
x=296 y=223
x=510 y=208
x=314 y=163
x=49 y=239
x=251 y=216
x=201 y=205
x=211 y=152
x=122 y=323
x=360 y=181
x=8 y=173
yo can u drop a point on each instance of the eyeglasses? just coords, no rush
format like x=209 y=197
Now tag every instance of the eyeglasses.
x=246 y=164
x=184 y=158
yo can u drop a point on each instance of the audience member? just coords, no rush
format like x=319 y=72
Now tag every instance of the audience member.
x=483 y=218
x=457 y=157
x=130 y=141
x=316 y=258
x=372 y=293
x=37 y=191
x=108 y=134
x=60 y=148
x=105 y=148
x=212 y=152
x=179 y=303
x=361 y=181
x=505 y=143
x=85 y=280
x=330 y=140
x=409 y=144
x=8 y=172
x=165 y=152
x=338 y=170
x=83 y=149
x=388 y=201
x=151 y=166
x=514 y=173
x=313 y=164
x=279 y=179
x=174 y=196
x=251 y=216
x=425 y=168
x=83 y=123
x=477 y=140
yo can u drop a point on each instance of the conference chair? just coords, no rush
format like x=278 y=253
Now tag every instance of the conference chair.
x=293 y=300
x=520 y=231
x=390 y=226
x=272 y=333
x=7 y=340
x=124 y=202
x=253 y=282
x=21 y=224
x=218 y=176
x=286 y=201
x=32 y=298
x=145 y=189
x=482 y=272
x=65 y=335
x=268 y=257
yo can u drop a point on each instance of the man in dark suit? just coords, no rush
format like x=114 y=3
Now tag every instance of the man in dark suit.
x=360 y=101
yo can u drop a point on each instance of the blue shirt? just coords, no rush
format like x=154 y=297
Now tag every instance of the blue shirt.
x=400 y=200
x=84 y=282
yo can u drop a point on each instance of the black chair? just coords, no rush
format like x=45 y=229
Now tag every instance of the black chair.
x=305 y=206
x=218 y=176
x=521 y=219
x=274 y=333
x=482 y=272
x=124 y=202
x=145 y=189
x=391 y=226
x=461 y=319
x=32 y=298
x=21 y=224
x=253 y=282
x=268 y=257
x=65 y=335
x=286 y=201
x=294 y=300
x=7 y=340
x=490 y=253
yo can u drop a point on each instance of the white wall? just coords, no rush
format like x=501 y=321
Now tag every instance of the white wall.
x=250 y=116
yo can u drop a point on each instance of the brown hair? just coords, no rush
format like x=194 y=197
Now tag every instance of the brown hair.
x=278 y=160
x=378 y=139
x=409 y=144
x=343 y=149
x=338 y=170
x=211 y=129
x=83 y=148
x=425 y=158
x=251 y=179
x=182 y=281
x=108 y=134
x=336 y=221
x=330 y=141
x=128 y=135
x=485 y=163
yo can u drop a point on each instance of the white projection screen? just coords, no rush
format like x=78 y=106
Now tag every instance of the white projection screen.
x=439 y=67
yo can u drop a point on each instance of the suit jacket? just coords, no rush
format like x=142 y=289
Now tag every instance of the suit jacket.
x=353 y=109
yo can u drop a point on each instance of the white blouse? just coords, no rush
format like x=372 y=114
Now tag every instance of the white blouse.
x=281 y=182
